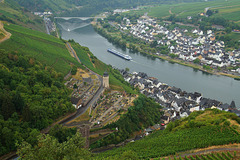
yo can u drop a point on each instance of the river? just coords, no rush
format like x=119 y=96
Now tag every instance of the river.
x=221 y=88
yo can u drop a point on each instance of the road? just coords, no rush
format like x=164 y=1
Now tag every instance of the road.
x=46 y=25
x=73 y=53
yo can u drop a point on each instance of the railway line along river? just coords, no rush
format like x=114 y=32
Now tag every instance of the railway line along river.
x=221 y=88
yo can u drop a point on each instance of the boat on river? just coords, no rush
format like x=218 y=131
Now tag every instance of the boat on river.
x=124 y=56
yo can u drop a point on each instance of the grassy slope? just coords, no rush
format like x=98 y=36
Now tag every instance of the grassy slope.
x=199 y=130
x=47 y=49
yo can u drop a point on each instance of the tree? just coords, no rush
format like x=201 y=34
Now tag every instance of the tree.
x=197 y=61
x=7 y=108
x=129 y=155
x=62 y=133
x=172 y=55
x=228 y=30
x=153 y=44
x=209 y=12
x=74 y=70
x=18 y=102
x=48 y=147
x=118 y=19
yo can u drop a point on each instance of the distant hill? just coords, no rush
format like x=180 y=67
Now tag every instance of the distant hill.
x=12 y=12
x=201 y=129
x=90 y=7
x=229 y=9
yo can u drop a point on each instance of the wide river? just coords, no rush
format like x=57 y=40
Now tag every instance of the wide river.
x=220 y=88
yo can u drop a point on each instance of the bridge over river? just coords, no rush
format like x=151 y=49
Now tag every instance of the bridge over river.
x=82 y=18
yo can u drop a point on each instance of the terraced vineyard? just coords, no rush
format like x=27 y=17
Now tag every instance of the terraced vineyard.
x=210 y=156
x=46 y=49
x=199 y=130
x=227 y=9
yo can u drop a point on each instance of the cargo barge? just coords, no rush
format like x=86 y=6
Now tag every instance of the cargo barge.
x=124 y=56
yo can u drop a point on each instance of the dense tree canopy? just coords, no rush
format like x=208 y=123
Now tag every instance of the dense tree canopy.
x=32 y=96
x=49 y=148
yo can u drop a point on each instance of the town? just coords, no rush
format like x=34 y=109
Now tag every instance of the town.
x=204 y=49
x=176 y=102
x=50 y=26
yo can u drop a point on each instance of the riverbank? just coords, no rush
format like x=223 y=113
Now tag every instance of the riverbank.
x=194 y=66
x=173 y=98
x=111 y=36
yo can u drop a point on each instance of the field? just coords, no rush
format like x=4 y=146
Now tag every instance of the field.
x=228 y=9
x=235 y=36
x=44 y=48
x=160 y=11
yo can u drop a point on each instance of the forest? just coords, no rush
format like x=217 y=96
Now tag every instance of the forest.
x=32 y=96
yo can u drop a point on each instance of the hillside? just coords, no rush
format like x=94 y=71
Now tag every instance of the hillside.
x=11 y=12
x=31 y=98
x=226 y=9
x=44 y=5
x=201 y=129
x=90 y=7
x=47 y=49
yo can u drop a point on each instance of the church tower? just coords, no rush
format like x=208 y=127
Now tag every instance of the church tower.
x=105 y=80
